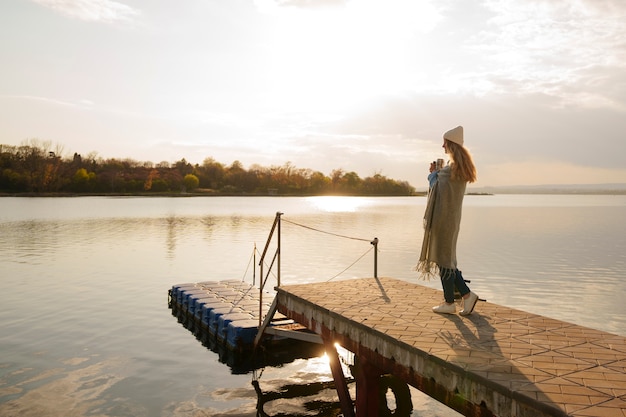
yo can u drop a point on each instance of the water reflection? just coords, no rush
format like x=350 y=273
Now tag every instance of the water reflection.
x=297 y=399
x=171 y=236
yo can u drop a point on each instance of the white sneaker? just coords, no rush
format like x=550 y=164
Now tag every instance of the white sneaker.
x=445 y=308
x=468 y=304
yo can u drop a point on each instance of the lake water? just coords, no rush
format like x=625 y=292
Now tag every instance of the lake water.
x=86 y=331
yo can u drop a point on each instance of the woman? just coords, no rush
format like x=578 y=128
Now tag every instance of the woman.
x=442 y=221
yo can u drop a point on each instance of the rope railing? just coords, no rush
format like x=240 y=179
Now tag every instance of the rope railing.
x=351 y=265
x=373 y=242
x=275 y=258
x=328 y=233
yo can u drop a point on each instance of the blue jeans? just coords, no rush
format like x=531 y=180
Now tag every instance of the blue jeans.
x=451 y=278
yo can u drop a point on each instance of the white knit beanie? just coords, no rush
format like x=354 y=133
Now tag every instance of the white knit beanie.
x=455 y=135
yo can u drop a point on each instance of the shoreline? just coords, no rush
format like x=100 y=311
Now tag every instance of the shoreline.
x=216 y=194
x=197 y=194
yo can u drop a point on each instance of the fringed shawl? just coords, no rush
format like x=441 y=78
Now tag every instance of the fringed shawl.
x=442 y=220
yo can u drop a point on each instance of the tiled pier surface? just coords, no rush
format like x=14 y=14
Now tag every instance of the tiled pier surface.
x=498 y=361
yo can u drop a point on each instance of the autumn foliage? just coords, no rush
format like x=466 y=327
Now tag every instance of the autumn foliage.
x=35 y=168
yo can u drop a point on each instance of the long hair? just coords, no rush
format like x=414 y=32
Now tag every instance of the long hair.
x=462 y=166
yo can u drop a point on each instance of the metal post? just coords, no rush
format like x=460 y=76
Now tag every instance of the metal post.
x=375 y=243
x=260 y=292
x=278 y=214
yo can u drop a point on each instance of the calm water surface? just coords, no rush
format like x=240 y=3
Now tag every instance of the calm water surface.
x=86 y=330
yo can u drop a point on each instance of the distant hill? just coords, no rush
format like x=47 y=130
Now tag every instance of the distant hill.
x=615 y=188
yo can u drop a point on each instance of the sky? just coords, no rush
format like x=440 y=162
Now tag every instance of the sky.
x=367 y=86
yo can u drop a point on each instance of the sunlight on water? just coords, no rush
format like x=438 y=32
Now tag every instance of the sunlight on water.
x=338 y=204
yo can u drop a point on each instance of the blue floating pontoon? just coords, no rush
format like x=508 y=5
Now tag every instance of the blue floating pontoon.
x=208 y=307
x=225 y=319
x=241 y=333
x=187 y=294
x=226 y=310
x=177 y=291
x=196 y=302
x=216 y=313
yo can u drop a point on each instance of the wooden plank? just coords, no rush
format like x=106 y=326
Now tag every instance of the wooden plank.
x=294 y=334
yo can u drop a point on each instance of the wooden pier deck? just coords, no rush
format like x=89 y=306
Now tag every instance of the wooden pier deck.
x=497 y=362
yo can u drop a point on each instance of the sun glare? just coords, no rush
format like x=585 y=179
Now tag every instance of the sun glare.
x=334 y=58
x=319 y=365
x=337 y=204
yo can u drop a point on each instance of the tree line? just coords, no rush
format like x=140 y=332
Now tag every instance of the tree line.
x=36 y=167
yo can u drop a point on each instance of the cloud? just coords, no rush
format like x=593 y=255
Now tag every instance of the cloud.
x=546 y=172
x=311 y=3
x=552 y=47
x=47 y=100
x=106 y=11
x=272 y=6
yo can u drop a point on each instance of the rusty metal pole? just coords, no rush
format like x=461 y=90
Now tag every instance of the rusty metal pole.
x=278 y=214
x=375 y=243
x=261 y=291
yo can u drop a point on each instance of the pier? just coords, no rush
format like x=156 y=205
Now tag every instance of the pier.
x=498 y=361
